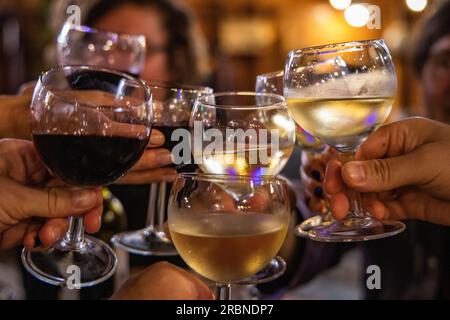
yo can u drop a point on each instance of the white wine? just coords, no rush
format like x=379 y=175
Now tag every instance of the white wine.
x=251 y=161
x=343 y=123
x=228 y=247
x=306 y=141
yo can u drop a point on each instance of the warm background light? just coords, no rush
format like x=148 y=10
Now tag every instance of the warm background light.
x=356 y=15
x=416 y=5
x=340 y=4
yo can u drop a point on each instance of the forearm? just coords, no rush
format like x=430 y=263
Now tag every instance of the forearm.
x=14 y=117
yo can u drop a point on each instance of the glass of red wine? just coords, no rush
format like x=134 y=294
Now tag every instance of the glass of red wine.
x=83 y=45
x=172 y=107
x=90 y=126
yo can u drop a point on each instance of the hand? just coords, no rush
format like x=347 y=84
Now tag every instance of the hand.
x=406 y=164
x=163 y=281
x=312 y=174
x=28 y=210
x=153 y=165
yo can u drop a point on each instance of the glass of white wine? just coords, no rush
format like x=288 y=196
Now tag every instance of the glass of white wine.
x=253 y=135
x=340 y=93
x=272 y=82
x=222 y=238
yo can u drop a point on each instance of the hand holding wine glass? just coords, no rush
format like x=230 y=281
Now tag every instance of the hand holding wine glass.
x=340 y=93
x=405 y=164
x=29 y=210
x=87 y=139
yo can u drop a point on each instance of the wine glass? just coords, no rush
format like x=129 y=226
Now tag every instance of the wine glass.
x=223 y=238
x=83 y=45
x=90 y=126
x=171 y=112
x=78 y=44
x=256 y=138
x=273 y=82
x=340 y=93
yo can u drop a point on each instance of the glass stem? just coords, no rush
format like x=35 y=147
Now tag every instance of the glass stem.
x=161 y=206
x=156 y=211
x=354 y=197
x=151 y=205
x=74 y=237
x=223 y=291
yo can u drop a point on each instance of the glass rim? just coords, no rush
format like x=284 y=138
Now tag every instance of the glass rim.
x=147 y=91
x=275 y=105
x=175 y=87
x=87 y=29
x=335 y=47
x=211 y=177
x=270 y=75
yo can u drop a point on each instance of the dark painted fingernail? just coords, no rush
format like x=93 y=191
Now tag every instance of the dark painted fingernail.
x=37 y=242
x=316 y=175
x=318 y=192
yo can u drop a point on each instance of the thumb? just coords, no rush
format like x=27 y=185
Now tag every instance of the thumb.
x=57 y=202
x=383 y=174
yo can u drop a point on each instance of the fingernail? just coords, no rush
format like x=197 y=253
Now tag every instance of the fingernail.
x=37 y=242
x=164 y=157
x=318 y=192
x=316 y=175
x=157 y=138
x=84 y=199
x=355 y=172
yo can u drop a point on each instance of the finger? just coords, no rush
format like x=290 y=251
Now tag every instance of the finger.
x=315 y=205
x=312 y=167
x=373 y=206
x=313 y=187
x=52 y=231
x=398 y=138
x=13 y=236
x=92 y=220
x=31 y=233
x=339 y=205
x=333 y=182
x=54 y=202
x=385 y=174
x=157 y=139
x=148 y=176
x=413 y=204
x=152 y=159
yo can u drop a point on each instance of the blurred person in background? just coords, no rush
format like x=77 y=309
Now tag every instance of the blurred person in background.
x=414 y=264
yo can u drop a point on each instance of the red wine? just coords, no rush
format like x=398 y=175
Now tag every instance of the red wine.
x=169 y=144
x=88 y=160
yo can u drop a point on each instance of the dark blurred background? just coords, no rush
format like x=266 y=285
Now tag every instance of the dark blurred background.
x=245 y=37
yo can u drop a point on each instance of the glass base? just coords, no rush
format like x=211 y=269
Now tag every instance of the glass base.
x=348 y=230
x=275 y=268
x=55 y=265
x=313 y=223
x=145 y=242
